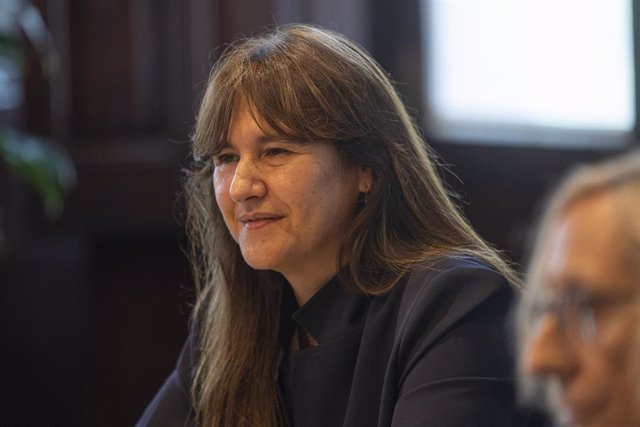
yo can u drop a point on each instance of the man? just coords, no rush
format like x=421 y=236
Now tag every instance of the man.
x=580 y=317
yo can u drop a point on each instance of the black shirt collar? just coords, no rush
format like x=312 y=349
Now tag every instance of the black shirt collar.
x=333 y=312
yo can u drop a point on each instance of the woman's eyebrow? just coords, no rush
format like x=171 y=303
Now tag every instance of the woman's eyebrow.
x=262 y=139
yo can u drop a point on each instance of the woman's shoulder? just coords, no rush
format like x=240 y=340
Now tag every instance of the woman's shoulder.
x=456 y=305
x=445 y=291
x=455 y=274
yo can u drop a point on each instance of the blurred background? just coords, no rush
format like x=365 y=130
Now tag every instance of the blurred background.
x=97 y=102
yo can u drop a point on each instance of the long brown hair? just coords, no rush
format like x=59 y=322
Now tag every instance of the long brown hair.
x=307 y=84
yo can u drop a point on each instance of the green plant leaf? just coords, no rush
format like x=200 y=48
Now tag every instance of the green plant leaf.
x=44 y=165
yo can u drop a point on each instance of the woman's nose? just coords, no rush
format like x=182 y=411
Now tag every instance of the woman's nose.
x=548 y=352
x=247 y=182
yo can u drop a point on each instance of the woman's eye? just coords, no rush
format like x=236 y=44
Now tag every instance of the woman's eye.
x=276 y=151
x=223 y=159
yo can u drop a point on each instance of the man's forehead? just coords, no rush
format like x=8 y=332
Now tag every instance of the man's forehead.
x=586 y=244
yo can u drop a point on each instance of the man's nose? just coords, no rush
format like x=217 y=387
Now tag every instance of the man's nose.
x=247 y=183
x=547 y=351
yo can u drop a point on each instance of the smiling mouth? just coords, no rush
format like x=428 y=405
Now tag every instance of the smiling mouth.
x=258 y=222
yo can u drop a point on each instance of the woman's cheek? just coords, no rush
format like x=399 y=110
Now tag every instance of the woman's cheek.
x=220 y=186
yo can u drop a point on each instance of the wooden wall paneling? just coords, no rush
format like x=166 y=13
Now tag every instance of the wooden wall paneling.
x=60 y=82
x=101 y=68
x=349 y=17
x=172 y=66
x=243 y=18
x=397 y=45
x=135 y=83
x=84 y=303
x=146 y=89
x=203 y=36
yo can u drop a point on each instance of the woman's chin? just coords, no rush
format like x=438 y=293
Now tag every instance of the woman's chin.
x=259 y=262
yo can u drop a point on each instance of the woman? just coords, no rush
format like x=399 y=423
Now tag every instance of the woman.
x=579 y=324
x=337 y=282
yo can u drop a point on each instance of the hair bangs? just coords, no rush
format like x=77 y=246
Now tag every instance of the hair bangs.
x=212 y=122
x=305 y=90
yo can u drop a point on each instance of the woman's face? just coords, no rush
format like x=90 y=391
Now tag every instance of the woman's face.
x=585 y=343
x=286 y=204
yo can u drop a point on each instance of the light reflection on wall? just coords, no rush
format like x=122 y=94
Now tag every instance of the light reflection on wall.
x=528 y=65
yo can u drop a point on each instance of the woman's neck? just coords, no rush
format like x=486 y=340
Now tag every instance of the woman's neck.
x=305 y=286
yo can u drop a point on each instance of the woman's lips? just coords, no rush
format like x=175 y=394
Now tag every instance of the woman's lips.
x=255 y=222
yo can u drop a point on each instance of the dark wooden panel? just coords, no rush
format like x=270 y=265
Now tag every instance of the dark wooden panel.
x=243 y=18
x=128 y=186
x=102 y=64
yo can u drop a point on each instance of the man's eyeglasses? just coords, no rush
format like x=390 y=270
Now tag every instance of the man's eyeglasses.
x=576 y=312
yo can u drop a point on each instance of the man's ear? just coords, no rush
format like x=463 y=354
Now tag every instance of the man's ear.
x=365 y=179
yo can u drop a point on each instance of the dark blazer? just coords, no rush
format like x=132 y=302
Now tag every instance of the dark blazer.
x=432 y=352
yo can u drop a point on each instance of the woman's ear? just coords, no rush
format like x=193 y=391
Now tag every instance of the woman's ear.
x=365 y=179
